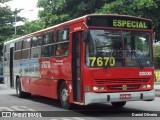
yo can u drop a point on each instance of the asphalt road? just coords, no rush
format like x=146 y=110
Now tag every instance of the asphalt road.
x=50 y=109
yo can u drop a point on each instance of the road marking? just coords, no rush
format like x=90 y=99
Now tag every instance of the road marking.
x=77 y=118
x=22 y=108
x=65 y=118
x=68 y=118
x=16 y=108
x=5 y=109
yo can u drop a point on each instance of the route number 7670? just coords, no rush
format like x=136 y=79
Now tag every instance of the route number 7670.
x=102 y=61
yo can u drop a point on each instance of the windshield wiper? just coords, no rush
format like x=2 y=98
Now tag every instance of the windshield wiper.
x=105 y=67
x=140 y=63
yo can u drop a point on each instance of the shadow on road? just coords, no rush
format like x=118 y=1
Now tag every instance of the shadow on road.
x=93 y=110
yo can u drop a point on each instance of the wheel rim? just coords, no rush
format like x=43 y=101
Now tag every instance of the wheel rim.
x=64 y=95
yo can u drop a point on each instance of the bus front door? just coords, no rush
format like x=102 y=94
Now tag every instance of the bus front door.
x=11 y=68
x=76 y=67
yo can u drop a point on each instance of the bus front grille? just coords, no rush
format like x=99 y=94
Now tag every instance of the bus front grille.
x=121 y=81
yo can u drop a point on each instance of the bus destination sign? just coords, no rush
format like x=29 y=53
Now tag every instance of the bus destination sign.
x=119 y=22
x=130 y=24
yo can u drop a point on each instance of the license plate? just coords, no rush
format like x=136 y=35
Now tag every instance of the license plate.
x=125 y=96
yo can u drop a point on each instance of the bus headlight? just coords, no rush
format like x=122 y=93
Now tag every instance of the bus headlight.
x=98 y=88
x=146 y=86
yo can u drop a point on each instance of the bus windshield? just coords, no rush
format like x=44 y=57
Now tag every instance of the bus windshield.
x=111 y=48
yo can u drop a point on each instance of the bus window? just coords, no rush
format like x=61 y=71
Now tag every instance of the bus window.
x=48 y=38
x=104 y=45
x=48 y=47
x=138 y=50
x=36 y=52
x=26 y=43
x=63 y=34
x=6 y=53
x=62 y=49
x=48 y=51
x=36 y=47
x=26 y=49
x=36 y=41
x=17 y=52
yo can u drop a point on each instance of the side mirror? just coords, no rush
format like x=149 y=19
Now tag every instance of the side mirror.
x=85 y=35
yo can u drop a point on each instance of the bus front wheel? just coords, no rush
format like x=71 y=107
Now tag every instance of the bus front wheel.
x=118 y=104
x=19 y=91
x=64 y=96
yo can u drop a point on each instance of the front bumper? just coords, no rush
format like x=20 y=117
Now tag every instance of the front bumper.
x=91 y=97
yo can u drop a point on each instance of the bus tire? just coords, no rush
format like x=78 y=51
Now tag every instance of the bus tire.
x=118 y=104
x=19 y=91
x=64 y=96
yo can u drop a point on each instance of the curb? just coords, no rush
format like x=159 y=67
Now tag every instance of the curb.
x=157 y=83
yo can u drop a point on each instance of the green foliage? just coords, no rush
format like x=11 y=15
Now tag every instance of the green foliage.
x=7 y=20
x=33 y=26
x=57 y=11
x=141 y=8
x=12 y=37
x=157 y=56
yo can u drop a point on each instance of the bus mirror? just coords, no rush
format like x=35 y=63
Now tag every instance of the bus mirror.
x=85 y=35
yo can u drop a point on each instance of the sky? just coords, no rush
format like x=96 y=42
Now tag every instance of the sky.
x=30 y=10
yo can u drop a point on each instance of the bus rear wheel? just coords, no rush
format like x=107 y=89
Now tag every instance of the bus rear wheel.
x=118 y=104
x=64 y=96
x=19 y=91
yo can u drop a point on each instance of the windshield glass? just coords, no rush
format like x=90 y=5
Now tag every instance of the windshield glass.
x=109 y=48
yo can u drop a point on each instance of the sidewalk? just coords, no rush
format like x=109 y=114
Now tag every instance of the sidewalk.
x=157 y=88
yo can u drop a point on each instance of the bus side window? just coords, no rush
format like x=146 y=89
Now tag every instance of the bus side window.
x=48 y=46
x=39 y=40
x=62 y=49
x=26 y=48
x=63 y=34
x=6 y=53
x=18 y=50
x=36 y=46
x=62 y=45
x=48 y=38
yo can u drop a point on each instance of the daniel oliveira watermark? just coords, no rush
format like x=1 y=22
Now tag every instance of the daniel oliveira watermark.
x=144 y=114
x=39 y=114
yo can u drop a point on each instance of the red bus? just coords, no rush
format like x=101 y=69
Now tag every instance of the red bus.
x=91 y=59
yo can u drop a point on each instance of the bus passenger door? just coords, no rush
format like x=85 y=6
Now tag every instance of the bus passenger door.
x=11 y=67
x=76 y=66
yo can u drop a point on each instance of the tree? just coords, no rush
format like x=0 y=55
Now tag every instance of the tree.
x=157 y=56
x=32 y=26
x=7 y=20
x=57 y=11
x=142 y=8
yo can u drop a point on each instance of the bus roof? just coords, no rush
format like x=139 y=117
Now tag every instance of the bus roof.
x=83 y=18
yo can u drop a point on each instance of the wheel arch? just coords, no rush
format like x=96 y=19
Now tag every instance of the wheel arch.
x=17 y=76
x=60 y=81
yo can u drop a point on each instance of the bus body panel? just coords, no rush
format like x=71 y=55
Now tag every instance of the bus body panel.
x=43 y=75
